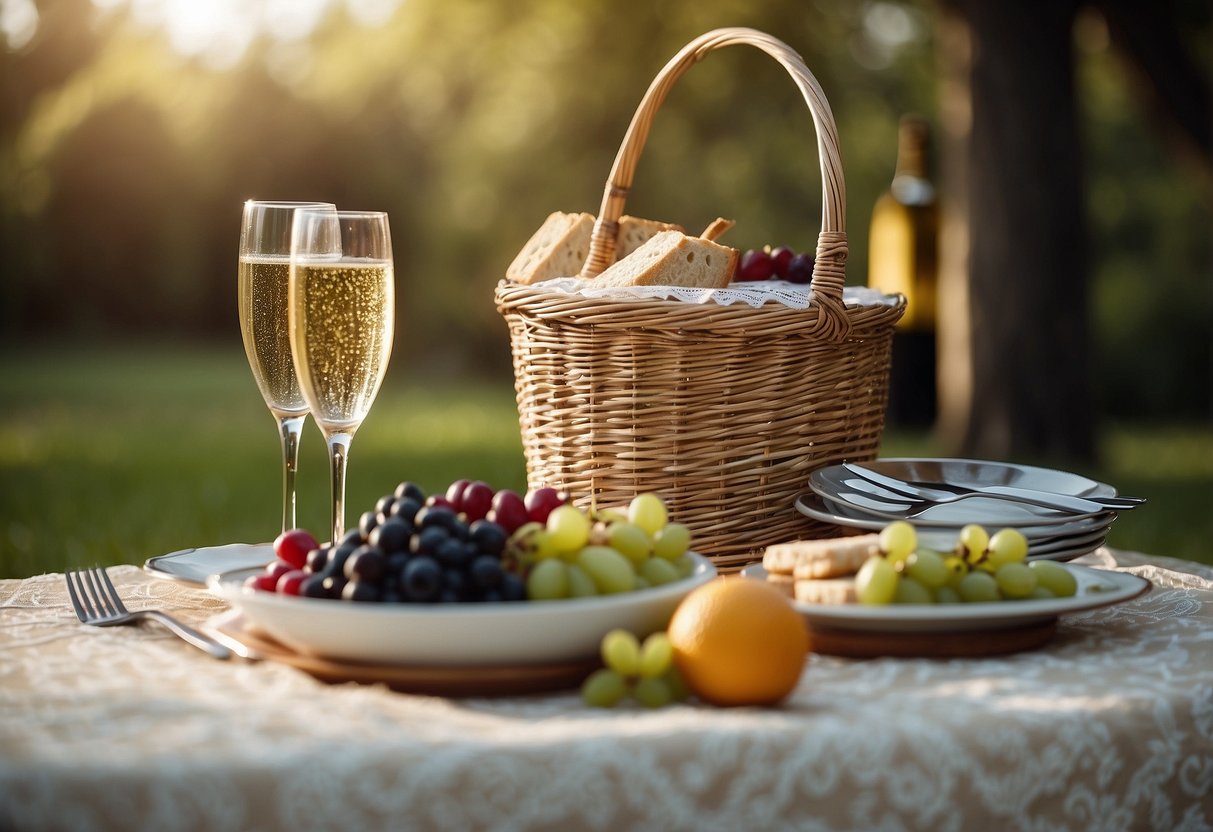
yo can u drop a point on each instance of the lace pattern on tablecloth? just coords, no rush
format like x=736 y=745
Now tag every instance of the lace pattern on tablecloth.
x=1110 y=726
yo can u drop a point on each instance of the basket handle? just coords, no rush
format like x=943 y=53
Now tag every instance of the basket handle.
x=829 y=271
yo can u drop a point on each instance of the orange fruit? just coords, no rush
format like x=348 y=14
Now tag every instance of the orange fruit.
x=738 y=641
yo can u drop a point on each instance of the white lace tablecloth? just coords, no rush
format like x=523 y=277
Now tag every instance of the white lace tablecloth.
x=1109 y=727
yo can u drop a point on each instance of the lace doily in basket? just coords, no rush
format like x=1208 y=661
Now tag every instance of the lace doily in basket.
x=792 y=295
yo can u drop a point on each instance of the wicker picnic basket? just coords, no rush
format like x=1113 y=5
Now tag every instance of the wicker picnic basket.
x=723 y=410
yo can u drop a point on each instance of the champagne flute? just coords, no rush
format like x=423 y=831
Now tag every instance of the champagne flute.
x=264 y=267
x=342 y=316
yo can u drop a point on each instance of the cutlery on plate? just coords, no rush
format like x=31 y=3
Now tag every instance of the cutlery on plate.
x=97 y=603
x=1044 y=499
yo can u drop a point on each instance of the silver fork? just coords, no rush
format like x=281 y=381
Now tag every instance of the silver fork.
x=97 y=603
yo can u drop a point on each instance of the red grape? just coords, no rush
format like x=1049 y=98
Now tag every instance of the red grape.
x=277 y=568
x=508 y=511
x=264 y=582
x=292 y=546
x=541 y=501
x=755 y=265
x=780 y=258
x=477 y=500
x=288 y=583
x=800 y=270
x=454 y=494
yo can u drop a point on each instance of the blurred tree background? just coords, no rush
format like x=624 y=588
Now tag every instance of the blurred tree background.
x=133 y=129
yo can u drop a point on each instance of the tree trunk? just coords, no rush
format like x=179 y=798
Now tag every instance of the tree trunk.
x=1015 y=376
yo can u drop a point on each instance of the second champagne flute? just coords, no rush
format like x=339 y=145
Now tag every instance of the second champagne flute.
x=342 y=318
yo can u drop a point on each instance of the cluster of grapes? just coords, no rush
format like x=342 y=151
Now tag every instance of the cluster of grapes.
x=646 y=671
x=981 y=568
x=781 y=263
x=412 y=548
x=575 y=554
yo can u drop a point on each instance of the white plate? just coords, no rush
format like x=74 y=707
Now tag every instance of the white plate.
x=457 y=634
x=194 y=566
x=1096 y=588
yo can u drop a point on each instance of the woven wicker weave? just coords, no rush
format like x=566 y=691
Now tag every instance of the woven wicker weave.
x=722 y=410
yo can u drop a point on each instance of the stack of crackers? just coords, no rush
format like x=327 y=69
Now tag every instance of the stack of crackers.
x=819 y=571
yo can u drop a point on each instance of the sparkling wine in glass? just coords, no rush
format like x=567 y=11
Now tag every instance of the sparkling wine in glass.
x=342 y=316
x=263 y=274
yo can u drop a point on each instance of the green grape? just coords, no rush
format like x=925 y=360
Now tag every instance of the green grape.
x=610 y=571
x=629 y=540
x=1054 y=577
x=973 y=541
x=611 y=515
x=1007 y=546
x=898 y=540
x=672 y=541
x=1015 y=580
x=910 y=591
x=656 y=655
x=928 y=568
x=652 y=692
x=977 y=587
x=678 y=688
x=581 y=585
x=957 y=569
x=621 y=652
x=568 y=528
x=685 y=566
x=648 y=512
x=604 y=689
x=947 y=595
x=548 y=581
x=641 y=582
x=1039 y=593
x=876 y=582
x=658 y=571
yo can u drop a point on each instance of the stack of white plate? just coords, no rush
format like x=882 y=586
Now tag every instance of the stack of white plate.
x=842 y=497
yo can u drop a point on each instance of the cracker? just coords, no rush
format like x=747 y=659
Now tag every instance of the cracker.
x=831 y=558
x=826 y=591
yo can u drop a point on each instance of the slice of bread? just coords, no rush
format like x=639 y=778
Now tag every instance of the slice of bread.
x=558 y=249
x=671 y=258
x=561 y=245
x=635 y=232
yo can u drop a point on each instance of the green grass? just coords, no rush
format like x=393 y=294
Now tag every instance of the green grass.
x=114 y=454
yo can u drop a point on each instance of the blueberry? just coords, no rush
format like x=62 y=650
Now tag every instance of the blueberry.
x=488 y=537
x=439 y=516
x=384 y=504
x=367 y=522
x=361 y=591
x=317 y=559
x=406 y=508
x=355 y=537
x=396 y=562
x=512 y=588
x=411 y=491
x=427 y=541
x=313 y=587
x=486 y=572
x=422 y=580
x=366 y=565
x=391 y=536
x=337 y=559
x=455 y=582
x=453 y=554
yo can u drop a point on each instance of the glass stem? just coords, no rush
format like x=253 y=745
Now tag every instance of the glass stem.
x=339 y=451
x=289 y=428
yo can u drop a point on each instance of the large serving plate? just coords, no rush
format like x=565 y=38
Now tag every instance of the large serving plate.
x=970 y=473
x=1096 y=588
x=195 y=566
x=455 y=635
